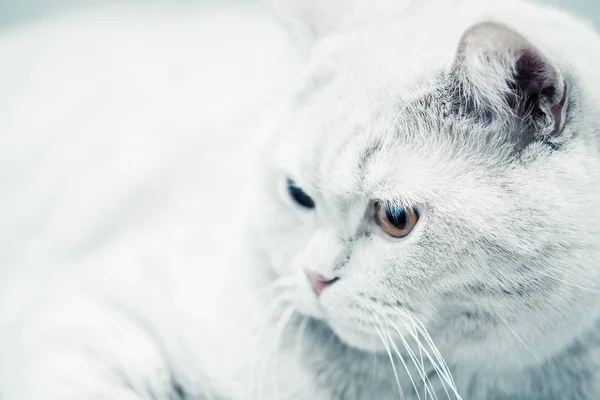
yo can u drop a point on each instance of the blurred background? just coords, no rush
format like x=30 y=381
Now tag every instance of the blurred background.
x=16 y=11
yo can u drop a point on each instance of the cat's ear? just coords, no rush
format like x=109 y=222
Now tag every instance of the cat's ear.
x=310 y=20
x=502 y=74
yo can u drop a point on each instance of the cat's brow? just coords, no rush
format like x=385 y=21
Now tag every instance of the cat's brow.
x=365 y=157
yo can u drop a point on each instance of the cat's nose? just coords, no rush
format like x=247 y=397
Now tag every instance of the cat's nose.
x=318 y=282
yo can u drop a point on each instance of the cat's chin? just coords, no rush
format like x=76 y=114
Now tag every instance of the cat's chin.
x=358 y=339
x=349 y=335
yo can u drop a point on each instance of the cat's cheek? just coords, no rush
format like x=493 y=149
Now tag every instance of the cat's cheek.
x=283 y=247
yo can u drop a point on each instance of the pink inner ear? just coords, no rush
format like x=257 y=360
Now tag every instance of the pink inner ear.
x=534 y=90
x=558 y=112
x=538 y=86
x=536 y=73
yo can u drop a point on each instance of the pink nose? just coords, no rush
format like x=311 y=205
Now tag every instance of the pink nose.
x=319 y=282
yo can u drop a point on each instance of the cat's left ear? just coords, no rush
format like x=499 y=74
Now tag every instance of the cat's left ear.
x=502 y=74
x=311 y=20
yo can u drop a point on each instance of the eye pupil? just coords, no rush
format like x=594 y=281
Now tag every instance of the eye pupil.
x=396 y=216
x=299 y=196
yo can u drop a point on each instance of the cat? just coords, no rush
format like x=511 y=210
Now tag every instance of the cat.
x=422 y=222
x=450 y=152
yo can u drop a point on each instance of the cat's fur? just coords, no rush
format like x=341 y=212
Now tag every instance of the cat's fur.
x=484 y=115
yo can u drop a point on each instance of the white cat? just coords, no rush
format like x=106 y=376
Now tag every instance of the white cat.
x=424 y=224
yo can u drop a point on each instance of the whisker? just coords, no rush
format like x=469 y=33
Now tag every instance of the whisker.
x=522 y=342
x=438 y=364
x=427 y=385
x=566 y=282
x=272 y=350
x=404 y=363
x=299 y=342
x=441 y=369
x=262 y=366
x=281 y=326
x=413 y=357
x=280 y=283
x=387 y=349
x=422 y=363
x=421 y=328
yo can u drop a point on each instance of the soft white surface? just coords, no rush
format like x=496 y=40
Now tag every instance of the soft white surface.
x=117 y=123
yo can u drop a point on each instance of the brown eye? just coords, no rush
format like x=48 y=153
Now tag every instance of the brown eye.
x=396 y=221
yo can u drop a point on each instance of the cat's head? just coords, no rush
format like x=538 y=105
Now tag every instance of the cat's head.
x=442 y=181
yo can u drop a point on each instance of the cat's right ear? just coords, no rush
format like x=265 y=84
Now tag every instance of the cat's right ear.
x=306 y=20
x=310 y=20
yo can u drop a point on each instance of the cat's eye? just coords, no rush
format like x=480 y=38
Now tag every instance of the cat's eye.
x=298 y=195
x=396 y=221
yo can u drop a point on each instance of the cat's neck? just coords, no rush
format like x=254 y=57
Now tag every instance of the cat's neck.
x=338 y=368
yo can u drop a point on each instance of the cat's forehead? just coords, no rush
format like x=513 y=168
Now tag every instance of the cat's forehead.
x=373 y=145
x=383 y=53
x=368 y=123
x=353 y=68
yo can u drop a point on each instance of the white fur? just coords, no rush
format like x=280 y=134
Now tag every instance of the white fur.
x=194 y=281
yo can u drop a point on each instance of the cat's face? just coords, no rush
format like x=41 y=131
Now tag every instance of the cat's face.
x=419 y=206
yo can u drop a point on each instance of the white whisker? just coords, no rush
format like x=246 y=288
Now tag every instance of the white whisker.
x=440 y=366
x=387 y=348
x=262 y=325
x=423 y=372
x=566 y=282
x=265 y=324
x=421 y=328
x=522 y=342
x=414 y=359
x=280 y=331
x=404 y=362
x=268 y=289
x=298 y=343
